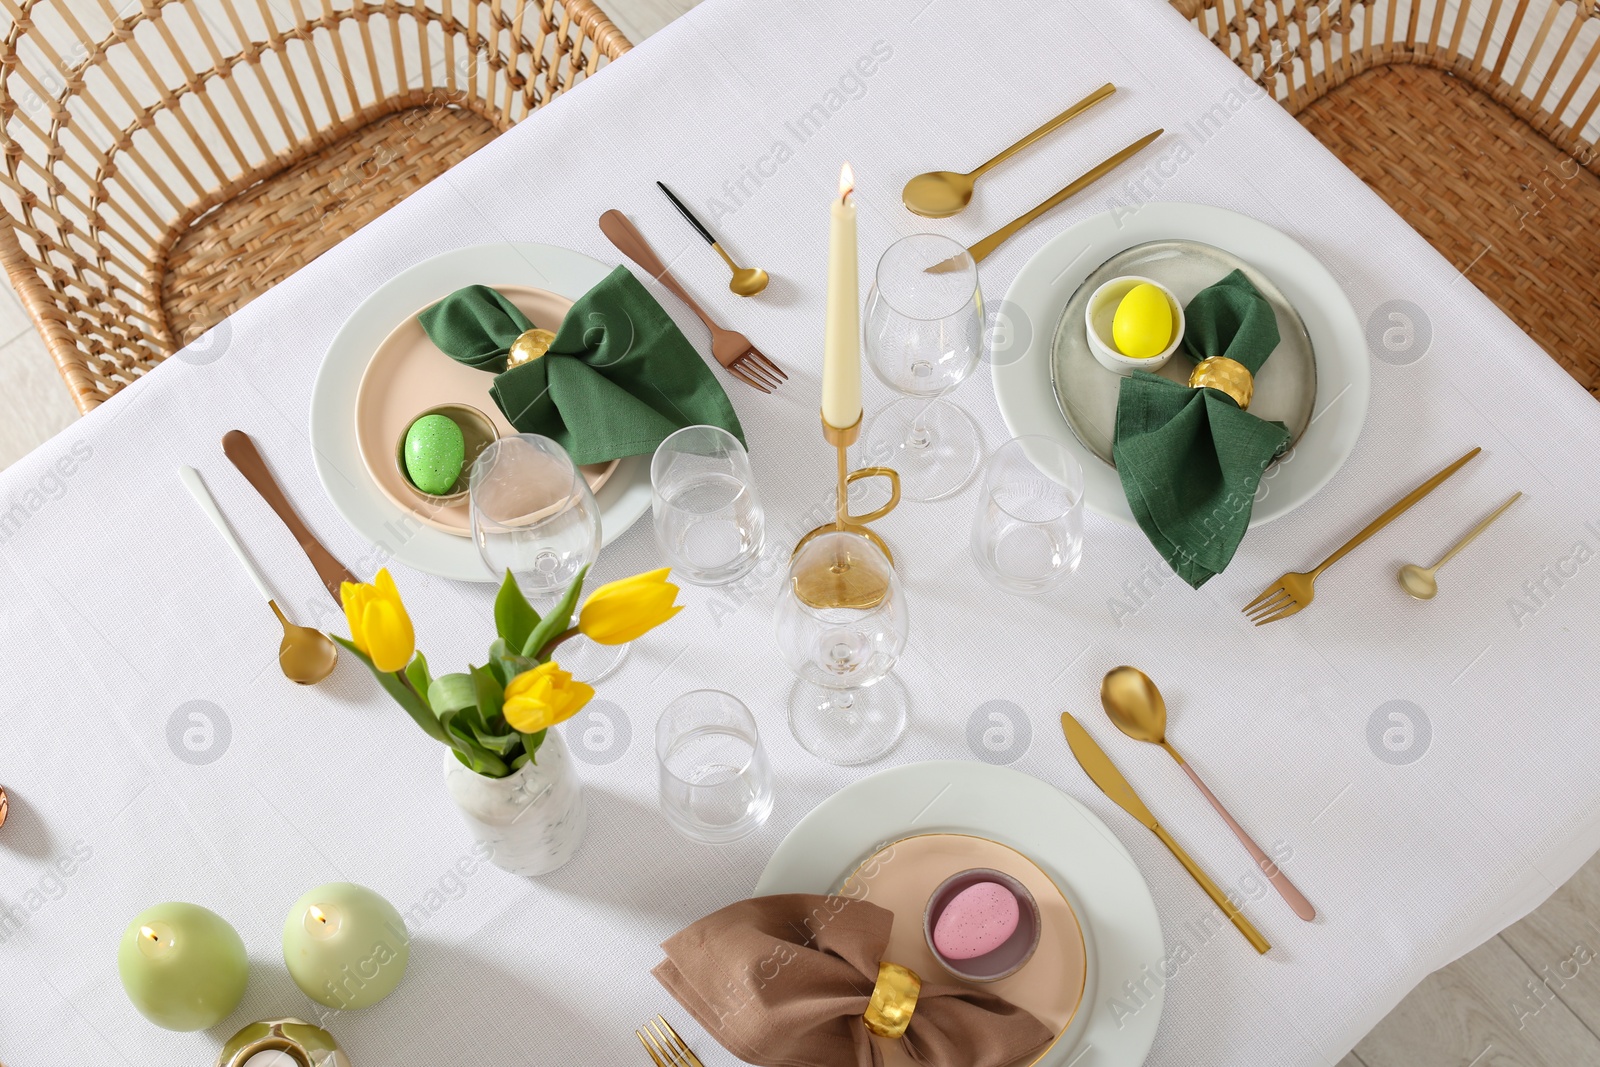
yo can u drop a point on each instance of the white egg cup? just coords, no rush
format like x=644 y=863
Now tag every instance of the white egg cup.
x=1101 y=310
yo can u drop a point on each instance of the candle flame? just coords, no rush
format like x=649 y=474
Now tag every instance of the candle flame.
x=145 y=931
x=847 y=182
x=316 y=913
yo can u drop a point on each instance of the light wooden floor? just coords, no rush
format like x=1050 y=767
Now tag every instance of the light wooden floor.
x=1528 y=998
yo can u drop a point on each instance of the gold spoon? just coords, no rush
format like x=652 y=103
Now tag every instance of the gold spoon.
x=942 y=193
x=1419 y=582
x=747 y=281
x=1134 y=703
x=305 y=655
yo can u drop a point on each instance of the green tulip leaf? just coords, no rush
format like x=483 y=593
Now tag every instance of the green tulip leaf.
x=502 y=745
x=469 y=751
x=508 y=664
x=450 y=693
x=556 y=620
x=514 y=617
x=490 y=695
x=497 y=655
x=403 y=694
x=417 y=674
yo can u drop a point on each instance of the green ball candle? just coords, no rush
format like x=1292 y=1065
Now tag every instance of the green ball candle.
x=345 y=946
x=183 y=966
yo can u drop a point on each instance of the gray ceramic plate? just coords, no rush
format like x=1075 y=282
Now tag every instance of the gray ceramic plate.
x=1285 y=390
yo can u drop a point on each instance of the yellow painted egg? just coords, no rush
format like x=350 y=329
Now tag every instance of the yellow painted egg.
x=1142 y=326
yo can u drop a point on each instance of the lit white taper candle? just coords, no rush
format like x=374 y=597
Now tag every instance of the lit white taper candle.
x=841 y=353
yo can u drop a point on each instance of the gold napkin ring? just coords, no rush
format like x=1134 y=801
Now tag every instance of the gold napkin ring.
x=1228 y=375
x=894 y=998
x=528 y=347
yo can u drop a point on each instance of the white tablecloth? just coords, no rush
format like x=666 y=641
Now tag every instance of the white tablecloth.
x=123 y=614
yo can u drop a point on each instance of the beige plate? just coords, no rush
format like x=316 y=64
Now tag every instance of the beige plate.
x=408 y=375
x=904 y=875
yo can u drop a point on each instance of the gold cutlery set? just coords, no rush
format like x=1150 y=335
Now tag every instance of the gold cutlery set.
x=305 y=656
x=733 y=350
x=935 y=195
x=941 y=193
x=1294 y=591
x=1135 y=705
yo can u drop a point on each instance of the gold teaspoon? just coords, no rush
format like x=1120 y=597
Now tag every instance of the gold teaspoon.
x=1419 y=581
x=305 y=655
x=1134 y=703
x=746 y=281
x=942 y=193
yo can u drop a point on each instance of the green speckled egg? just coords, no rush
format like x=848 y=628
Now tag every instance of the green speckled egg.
x=435 y=451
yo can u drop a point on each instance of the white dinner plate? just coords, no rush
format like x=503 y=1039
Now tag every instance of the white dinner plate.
x=1047 y=282
x=1077 y=850
x=623 y=498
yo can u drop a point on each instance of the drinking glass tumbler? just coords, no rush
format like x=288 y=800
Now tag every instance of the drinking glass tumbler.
x=707 y=517
x=534 y=515
x=715 y=785
x=1028 y=532
x=923 y=334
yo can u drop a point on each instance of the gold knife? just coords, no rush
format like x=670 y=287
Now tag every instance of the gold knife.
x=1098 y=766
x=981 y=250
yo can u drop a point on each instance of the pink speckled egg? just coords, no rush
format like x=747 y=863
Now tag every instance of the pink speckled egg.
x=977 y=920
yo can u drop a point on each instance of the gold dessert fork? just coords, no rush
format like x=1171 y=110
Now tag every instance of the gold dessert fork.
x=666 y=1049
x=1292 y=592
x=733 y=350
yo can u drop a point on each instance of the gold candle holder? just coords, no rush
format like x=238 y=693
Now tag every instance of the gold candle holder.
x=835 y=581
x=306 y=1045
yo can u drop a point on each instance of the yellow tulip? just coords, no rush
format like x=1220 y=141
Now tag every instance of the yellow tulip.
x=379 y=625
x=620 y=611
x=542 y=697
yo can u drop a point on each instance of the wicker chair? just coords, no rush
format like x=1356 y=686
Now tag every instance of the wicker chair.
x=1473 y=119
x=168 y=160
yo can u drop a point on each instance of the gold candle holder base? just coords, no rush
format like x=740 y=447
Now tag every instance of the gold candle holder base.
x=305 y=1044
x=834 y=582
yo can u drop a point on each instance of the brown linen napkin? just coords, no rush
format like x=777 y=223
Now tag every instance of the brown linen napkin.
x=783 y=981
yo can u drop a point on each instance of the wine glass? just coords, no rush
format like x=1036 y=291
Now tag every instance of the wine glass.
x=1028 y=533
x=924 y=335
x=708 y=520
x=534 y=515
x=841 y=624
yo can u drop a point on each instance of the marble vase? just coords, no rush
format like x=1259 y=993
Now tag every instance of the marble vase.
x=533 y=820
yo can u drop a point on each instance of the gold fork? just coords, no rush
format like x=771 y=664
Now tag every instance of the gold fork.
x=1294 y=591
x=666 y=1049
x=733 y=350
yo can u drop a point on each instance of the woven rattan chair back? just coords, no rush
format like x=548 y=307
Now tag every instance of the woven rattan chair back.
x=1474 y=119
x=168 y=160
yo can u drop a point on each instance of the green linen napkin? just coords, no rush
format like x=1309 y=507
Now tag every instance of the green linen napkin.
x=1190 y=459
x=619 y=378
